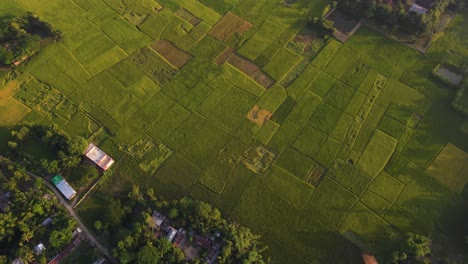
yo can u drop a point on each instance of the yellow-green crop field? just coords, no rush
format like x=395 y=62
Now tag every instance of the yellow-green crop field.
x=362 y=143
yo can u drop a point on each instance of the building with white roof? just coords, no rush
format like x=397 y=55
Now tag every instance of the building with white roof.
x=98 y=156
x=418 y=9
x=63 y=186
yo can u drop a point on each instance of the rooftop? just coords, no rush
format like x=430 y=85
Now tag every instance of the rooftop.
x=98 y=156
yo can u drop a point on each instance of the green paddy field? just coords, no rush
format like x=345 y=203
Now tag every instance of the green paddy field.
x=360 y=144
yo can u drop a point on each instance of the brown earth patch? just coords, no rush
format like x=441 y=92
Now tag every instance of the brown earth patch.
x=258 y=115
x=175 y=56
x=224 y=56
x=228 y=25
x=246 y=66
x=189 y=17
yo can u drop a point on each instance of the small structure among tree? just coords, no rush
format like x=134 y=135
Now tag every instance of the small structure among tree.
x=63 y=186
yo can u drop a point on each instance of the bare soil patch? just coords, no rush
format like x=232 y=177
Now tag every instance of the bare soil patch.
x=175 y=56
x=246 y=66
x=228 y=25
x=259 y=116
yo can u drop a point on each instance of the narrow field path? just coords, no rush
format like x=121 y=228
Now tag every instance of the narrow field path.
x=84 y=229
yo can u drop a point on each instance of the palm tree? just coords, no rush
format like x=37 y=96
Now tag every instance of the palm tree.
x=27 y=255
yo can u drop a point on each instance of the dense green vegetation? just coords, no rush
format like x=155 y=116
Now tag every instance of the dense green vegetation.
x=236 y=243
x=25 y=203
x=22 y=36
x=353 y=146
x=395 y=14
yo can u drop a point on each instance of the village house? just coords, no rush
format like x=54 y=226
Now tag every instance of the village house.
x=99 y=157
x=178 y=238
x=63 y=186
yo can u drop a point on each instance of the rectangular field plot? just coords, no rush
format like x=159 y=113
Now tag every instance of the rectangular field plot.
x=349 y=177
x=367 y=226
x=168 y=122
x=126 y=72
x=64 y=61
x=328 y=151
x=330 y=202
x=203 y=144
x=304 y=81
x=113 y=97
x=242 y=81
x=289 y=187
x=254 y=11
x=284 y=136
x=326 y=54
x=131 y=131
x=281 y=63
x=154 y=66
x=91 y=49
x=261 y=40
x=450 y=168
x=339 y=95
x=266 y=132
x=341 y=62
x=154 y=25
x=387 y=187
x=216 y=176
x=233 y=109
x=195 y=97
x=325 y=118
x=268 y=218
x=125 y=35
x=304 y=108
x=430 y=208
x=176 y=57
x=375 y=203
x=295 y=163
x=51 y=75
x=229 y=25
x=377 y=153
x=206 y=14
x=105 y=60
x=12 y=112
x=273 y=98
x=322 y=84
x=179 y=171
x=310 y=141
x=177 y=138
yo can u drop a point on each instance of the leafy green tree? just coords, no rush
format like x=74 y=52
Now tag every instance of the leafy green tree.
x=115 y=213
x=98 y=225
x=59 y=238
x=148 y=255
x=414 y=249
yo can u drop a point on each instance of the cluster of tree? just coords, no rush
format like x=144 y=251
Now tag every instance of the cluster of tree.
x=22 y=35
x=238 y=244
x=323 y=26
x=143 y=247
x=414 y=249
x=26 y=204
x=67 y=160
x=395 y=15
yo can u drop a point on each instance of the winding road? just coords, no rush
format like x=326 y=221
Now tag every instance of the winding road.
x=84 y=229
